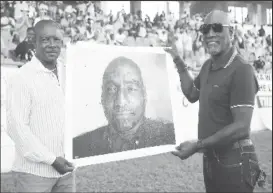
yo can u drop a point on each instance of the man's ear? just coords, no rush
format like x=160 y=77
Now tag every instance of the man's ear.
x=35 y=41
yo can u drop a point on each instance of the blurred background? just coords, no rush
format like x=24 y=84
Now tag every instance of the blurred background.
x=139 y=23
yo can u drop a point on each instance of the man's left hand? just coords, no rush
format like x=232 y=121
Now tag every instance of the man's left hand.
x=186 y=149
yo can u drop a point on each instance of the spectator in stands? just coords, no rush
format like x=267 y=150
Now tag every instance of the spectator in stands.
x=142 y=30
x=254 y=30
x=88 y=18
x=81 y=8
x=261 y=31
x=4 y=49
x=6 y=31
x=252 y=58
x=80 y=25
x=53 y=9
x=268 y=62
x=66 y=20
x=25 y=50
x=91 y=10
x=259 y=64
x=43 y=13
x=120 y=36
x=32 y=11
x=269 y=40
x=21 y=25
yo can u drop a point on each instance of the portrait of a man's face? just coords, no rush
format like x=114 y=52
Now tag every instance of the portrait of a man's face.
x=123 y=94
x=119 y=103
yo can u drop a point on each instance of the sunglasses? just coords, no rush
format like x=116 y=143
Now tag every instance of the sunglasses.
x=216 y=27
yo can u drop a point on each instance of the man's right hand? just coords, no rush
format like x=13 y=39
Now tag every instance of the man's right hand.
x=173 y=51
x=62 y=165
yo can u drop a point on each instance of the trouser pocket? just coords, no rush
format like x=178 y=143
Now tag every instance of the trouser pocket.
x=252 y=172
x=228 y=170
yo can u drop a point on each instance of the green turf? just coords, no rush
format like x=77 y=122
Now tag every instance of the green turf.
x=160 y=173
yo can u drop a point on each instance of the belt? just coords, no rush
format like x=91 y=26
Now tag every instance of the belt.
x=242 y=143
x=235 y=145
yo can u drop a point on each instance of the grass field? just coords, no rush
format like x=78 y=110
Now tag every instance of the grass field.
x=160 y=173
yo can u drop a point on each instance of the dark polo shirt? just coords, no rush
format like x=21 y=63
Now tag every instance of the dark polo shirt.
x=103 y=140
x=222 y=88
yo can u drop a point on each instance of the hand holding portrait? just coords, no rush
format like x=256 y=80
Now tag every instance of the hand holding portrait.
x=186 y=149
x=62 y=165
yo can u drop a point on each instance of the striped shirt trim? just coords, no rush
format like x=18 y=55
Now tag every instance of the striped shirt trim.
x=231 y=58
x=244 y=105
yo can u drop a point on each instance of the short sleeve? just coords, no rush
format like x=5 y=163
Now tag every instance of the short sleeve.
x=244 y=87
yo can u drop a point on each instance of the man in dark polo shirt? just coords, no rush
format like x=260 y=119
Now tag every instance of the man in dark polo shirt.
x=225 y=88
x=124 y=101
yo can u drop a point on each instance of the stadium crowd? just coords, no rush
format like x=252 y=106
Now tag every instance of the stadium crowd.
x=85 y=21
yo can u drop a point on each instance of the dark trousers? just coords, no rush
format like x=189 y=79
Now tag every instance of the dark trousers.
x=231 y=170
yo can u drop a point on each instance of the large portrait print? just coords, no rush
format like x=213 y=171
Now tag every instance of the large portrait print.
x=118 y=103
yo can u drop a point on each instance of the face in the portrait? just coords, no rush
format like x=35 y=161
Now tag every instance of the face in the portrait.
x=217 y=36
x=123 y=94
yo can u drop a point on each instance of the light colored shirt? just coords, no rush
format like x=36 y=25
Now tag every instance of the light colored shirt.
x=82 y=8
x=32 y=12
x=142 y=32
x=120 y=37
x=36 y=118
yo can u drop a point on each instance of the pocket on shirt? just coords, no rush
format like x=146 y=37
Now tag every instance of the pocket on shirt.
x=218 y=95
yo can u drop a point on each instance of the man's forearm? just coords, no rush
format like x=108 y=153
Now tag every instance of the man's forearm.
x=225 y=136
x=29 y=145
x=185 y=78
x=186 y=82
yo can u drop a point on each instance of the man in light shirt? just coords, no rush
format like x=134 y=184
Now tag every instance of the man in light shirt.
x=36 y=117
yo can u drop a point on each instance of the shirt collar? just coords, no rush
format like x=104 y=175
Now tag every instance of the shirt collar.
x=36 y=64
x=223 y=61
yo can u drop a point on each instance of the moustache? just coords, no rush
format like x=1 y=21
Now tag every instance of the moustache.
x=53 y=51
x=123 y=111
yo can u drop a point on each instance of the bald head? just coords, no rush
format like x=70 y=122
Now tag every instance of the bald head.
x=121 y=61
x=217 y=16
x=123 y=65
x=41 y=25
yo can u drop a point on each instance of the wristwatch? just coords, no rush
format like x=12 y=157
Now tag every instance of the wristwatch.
x=200 y=145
